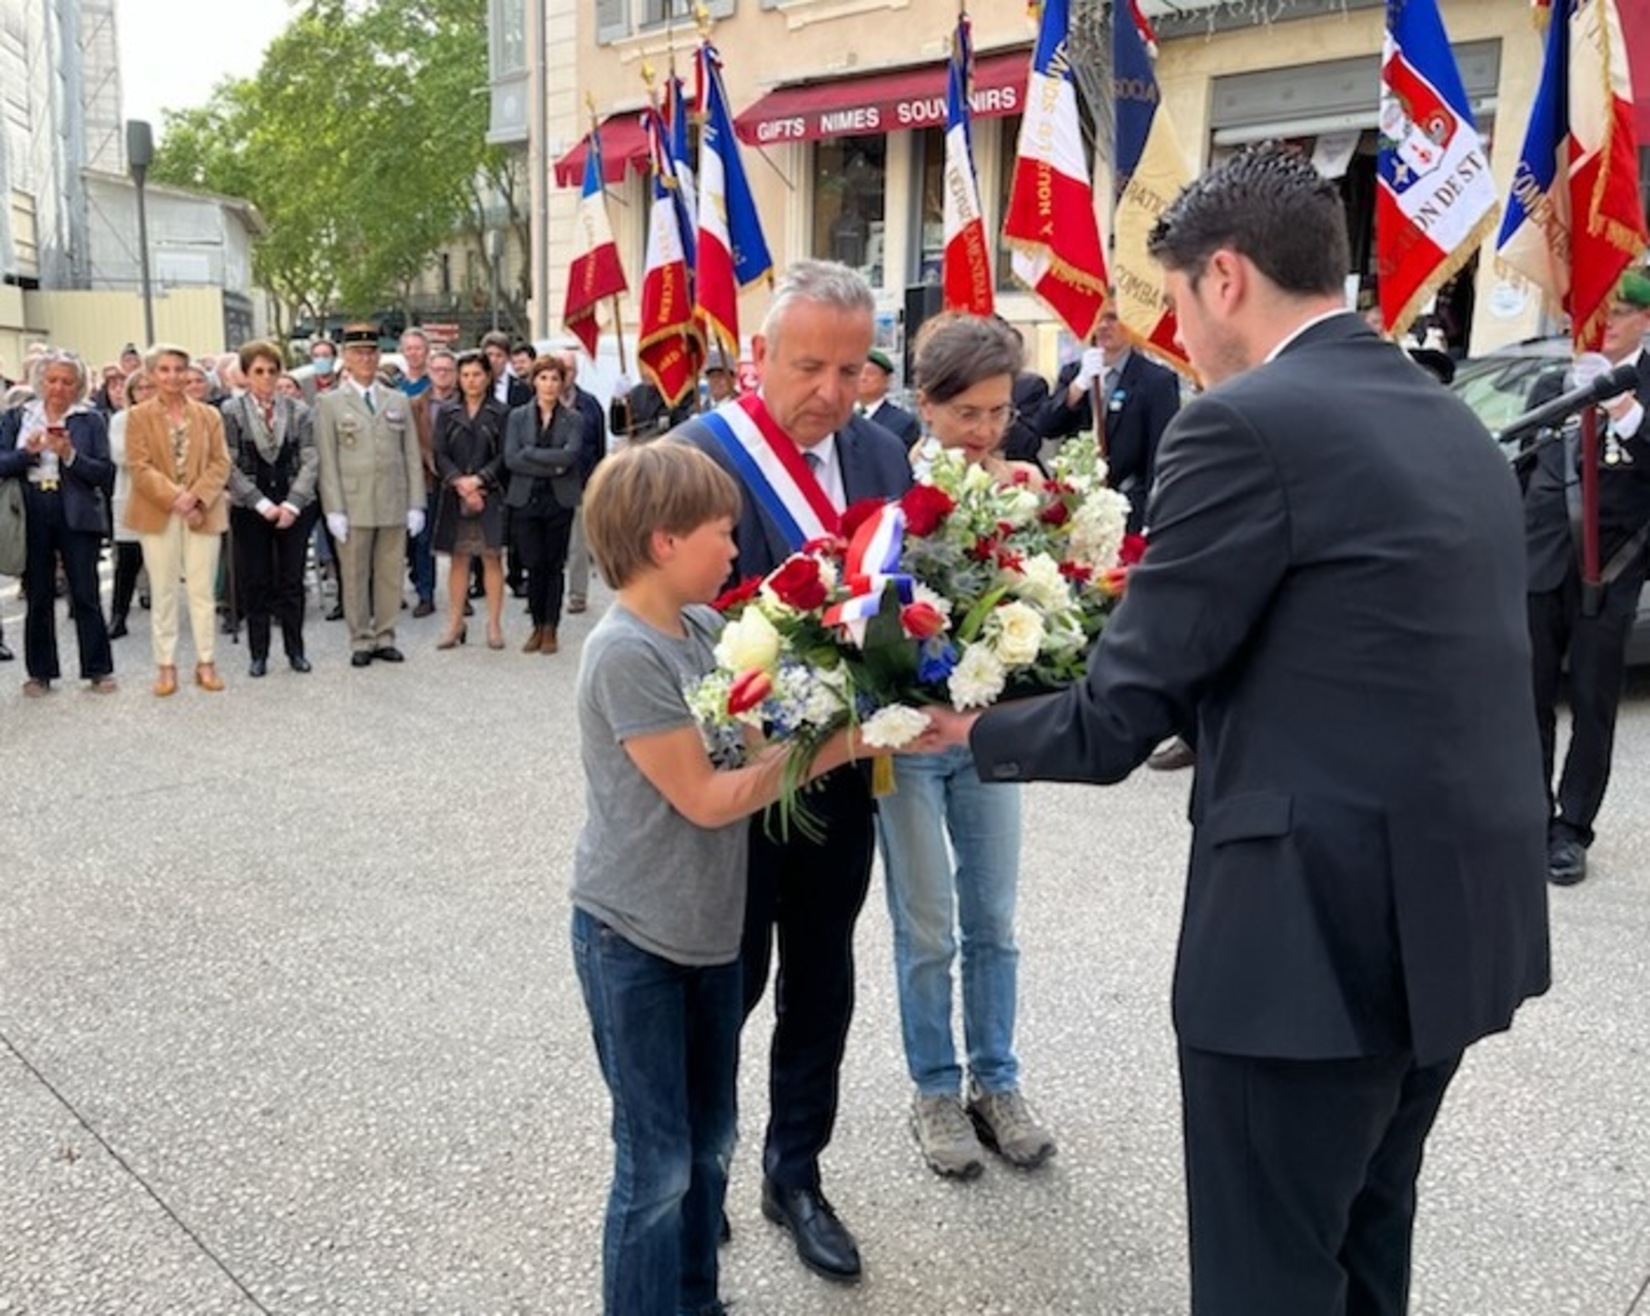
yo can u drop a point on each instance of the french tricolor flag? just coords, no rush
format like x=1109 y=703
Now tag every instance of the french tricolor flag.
x=596 y=273
x=1573 y=220
x=966 y=278
x=667 y=340
x=1051 y=224
x=733 y=252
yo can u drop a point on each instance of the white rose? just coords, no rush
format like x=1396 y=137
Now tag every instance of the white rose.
x=1039 y=582
x=977 y=679
x=893 y=727
x=749 y=641
x=1016 y=633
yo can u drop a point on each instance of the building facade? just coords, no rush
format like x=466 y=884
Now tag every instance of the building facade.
x=69 y=270
x=840 y=104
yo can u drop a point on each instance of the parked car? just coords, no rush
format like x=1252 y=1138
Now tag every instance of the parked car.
x=1498 y=387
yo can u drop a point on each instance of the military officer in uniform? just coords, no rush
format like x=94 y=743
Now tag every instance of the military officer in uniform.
x=372 y=491
x=1595 y=642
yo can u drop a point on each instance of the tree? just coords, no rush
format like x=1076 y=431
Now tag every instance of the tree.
x=359 y=139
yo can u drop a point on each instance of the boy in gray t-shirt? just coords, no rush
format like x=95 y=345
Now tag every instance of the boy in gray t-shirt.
x=659 y=873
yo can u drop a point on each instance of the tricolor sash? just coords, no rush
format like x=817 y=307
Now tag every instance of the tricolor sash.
x=773 y=470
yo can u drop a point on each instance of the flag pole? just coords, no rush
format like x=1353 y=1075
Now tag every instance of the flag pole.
x=618 y=320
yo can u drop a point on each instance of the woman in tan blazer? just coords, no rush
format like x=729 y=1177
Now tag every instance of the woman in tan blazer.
x=179 y=465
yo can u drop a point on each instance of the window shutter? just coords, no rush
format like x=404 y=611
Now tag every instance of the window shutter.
x=612 y=20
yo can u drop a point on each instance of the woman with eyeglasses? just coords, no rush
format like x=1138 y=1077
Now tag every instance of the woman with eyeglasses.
x=58 y=446
x=951 y=843
x=273 y=468
x=179 y=464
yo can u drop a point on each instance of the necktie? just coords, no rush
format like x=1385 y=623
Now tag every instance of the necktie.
x=816 y=463
x=371 y=410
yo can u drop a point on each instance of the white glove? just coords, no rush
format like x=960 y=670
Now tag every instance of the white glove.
x=1094 y=364
x=338 y=524
x=621 y=385
x=415 y=522
x=1588 y=367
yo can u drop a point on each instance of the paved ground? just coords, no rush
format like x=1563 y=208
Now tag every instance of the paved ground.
x=288 y=1024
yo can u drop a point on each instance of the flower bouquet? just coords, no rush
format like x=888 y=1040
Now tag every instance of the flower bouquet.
x=961 y=591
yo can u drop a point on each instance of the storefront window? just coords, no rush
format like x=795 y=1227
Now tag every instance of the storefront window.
x=929 y=228
x=850 y=191
x=1008 y=146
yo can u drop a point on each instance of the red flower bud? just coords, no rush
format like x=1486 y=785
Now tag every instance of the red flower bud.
x=748 y=690
x=743 y=592
x=857 y=514
x=1113 y=581
x=1077 y=572
x=921 y=620
x=1132 y=549
x=1054 y=512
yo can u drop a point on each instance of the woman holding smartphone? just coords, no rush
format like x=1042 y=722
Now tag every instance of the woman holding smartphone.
x=59 y=448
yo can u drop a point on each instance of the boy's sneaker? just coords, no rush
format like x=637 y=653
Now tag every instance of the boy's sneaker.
x=1006 y=1125
x=946 y=1137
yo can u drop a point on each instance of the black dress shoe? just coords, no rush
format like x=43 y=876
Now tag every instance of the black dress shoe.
x=388 y=653
x=822 y=1241
x=424 y=608
x=258 y=667
x=336 y=612
x=1566 y=860
x=117 y=627
x=360 y=658
x=299 y=662
x=6 y=655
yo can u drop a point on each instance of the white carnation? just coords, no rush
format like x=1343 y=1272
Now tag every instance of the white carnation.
x=977 y=679
x=1016 y=633
x=1040 y=583
x=749 y=641
x=1018 y=505
x=893 y=727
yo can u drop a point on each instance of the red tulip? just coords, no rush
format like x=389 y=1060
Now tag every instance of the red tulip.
x=748 y=690
x=921 y=620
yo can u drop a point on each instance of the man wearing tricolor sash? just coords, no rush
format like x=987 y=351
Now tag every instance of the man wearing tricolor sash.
x=801 y=456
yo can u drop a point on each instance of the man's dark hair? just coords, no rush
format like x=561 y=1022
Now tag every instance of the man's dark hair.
x=1267 y=203
x=521 y=345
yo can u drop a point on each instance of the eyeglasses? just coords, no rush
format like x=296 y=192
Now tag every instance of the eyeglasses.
x=995 y=419
x=263 y=370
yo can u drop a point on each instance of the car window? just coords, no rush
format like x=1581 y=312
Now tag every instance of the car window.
x=1498 y=389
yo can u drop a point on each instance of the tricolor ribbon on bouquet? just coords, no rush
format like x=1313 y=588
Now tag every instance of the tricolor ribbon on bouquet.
x=868 y=570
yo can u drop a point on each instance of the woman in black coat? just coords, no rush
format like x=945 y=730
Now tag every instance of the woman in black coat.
x=58 y=446
x=543 y=450
x=469 y=518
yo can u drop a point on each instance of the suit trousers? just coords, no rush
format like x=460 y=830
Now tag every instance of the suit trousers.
x=48 y=538
x=578 y=560
x=1597 y=651
x=1300 y=1180
x=541 y=542
x=371 y=559
x=807 y=897
x=269 y=577
x=173 y=552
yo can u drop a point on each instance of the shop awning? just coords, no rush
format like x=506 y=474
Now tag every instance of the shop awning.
x=1635 y=23
x=895 y=101
x=624 y=146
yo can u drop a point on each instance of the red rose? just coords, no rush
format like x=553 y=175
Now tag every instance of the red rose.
x=732 y=597
x=748 y=690
x=858 y=514
x=1076 y=572
x=925 y=507
x=1054 y=512
x=921 y=620
x=798 y=584
x=1132 y=550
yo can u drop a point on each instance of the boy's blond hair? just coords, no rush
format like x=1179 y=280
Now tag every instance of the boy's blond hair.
x=668 y=486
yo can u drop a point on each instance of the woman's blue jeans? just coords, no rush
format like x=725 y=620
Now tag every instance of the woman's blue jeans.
x=951 y=851
x=667 y=1036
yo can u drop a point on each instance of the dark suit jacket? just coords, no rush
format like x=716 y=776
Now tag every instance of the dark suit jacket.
x=874 y=465
x=1140 y=407
x=595 y=433
x=1623 y=498
x=1023 y=443
x=641 y=413
x=85 y=486
x=1334 y=595
x=897 y=421
x=531 y=455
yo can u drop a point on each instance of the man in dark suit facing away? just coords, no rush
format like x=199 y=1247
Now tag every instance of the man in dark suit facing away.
x=801 y=457
x=1334 y=588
